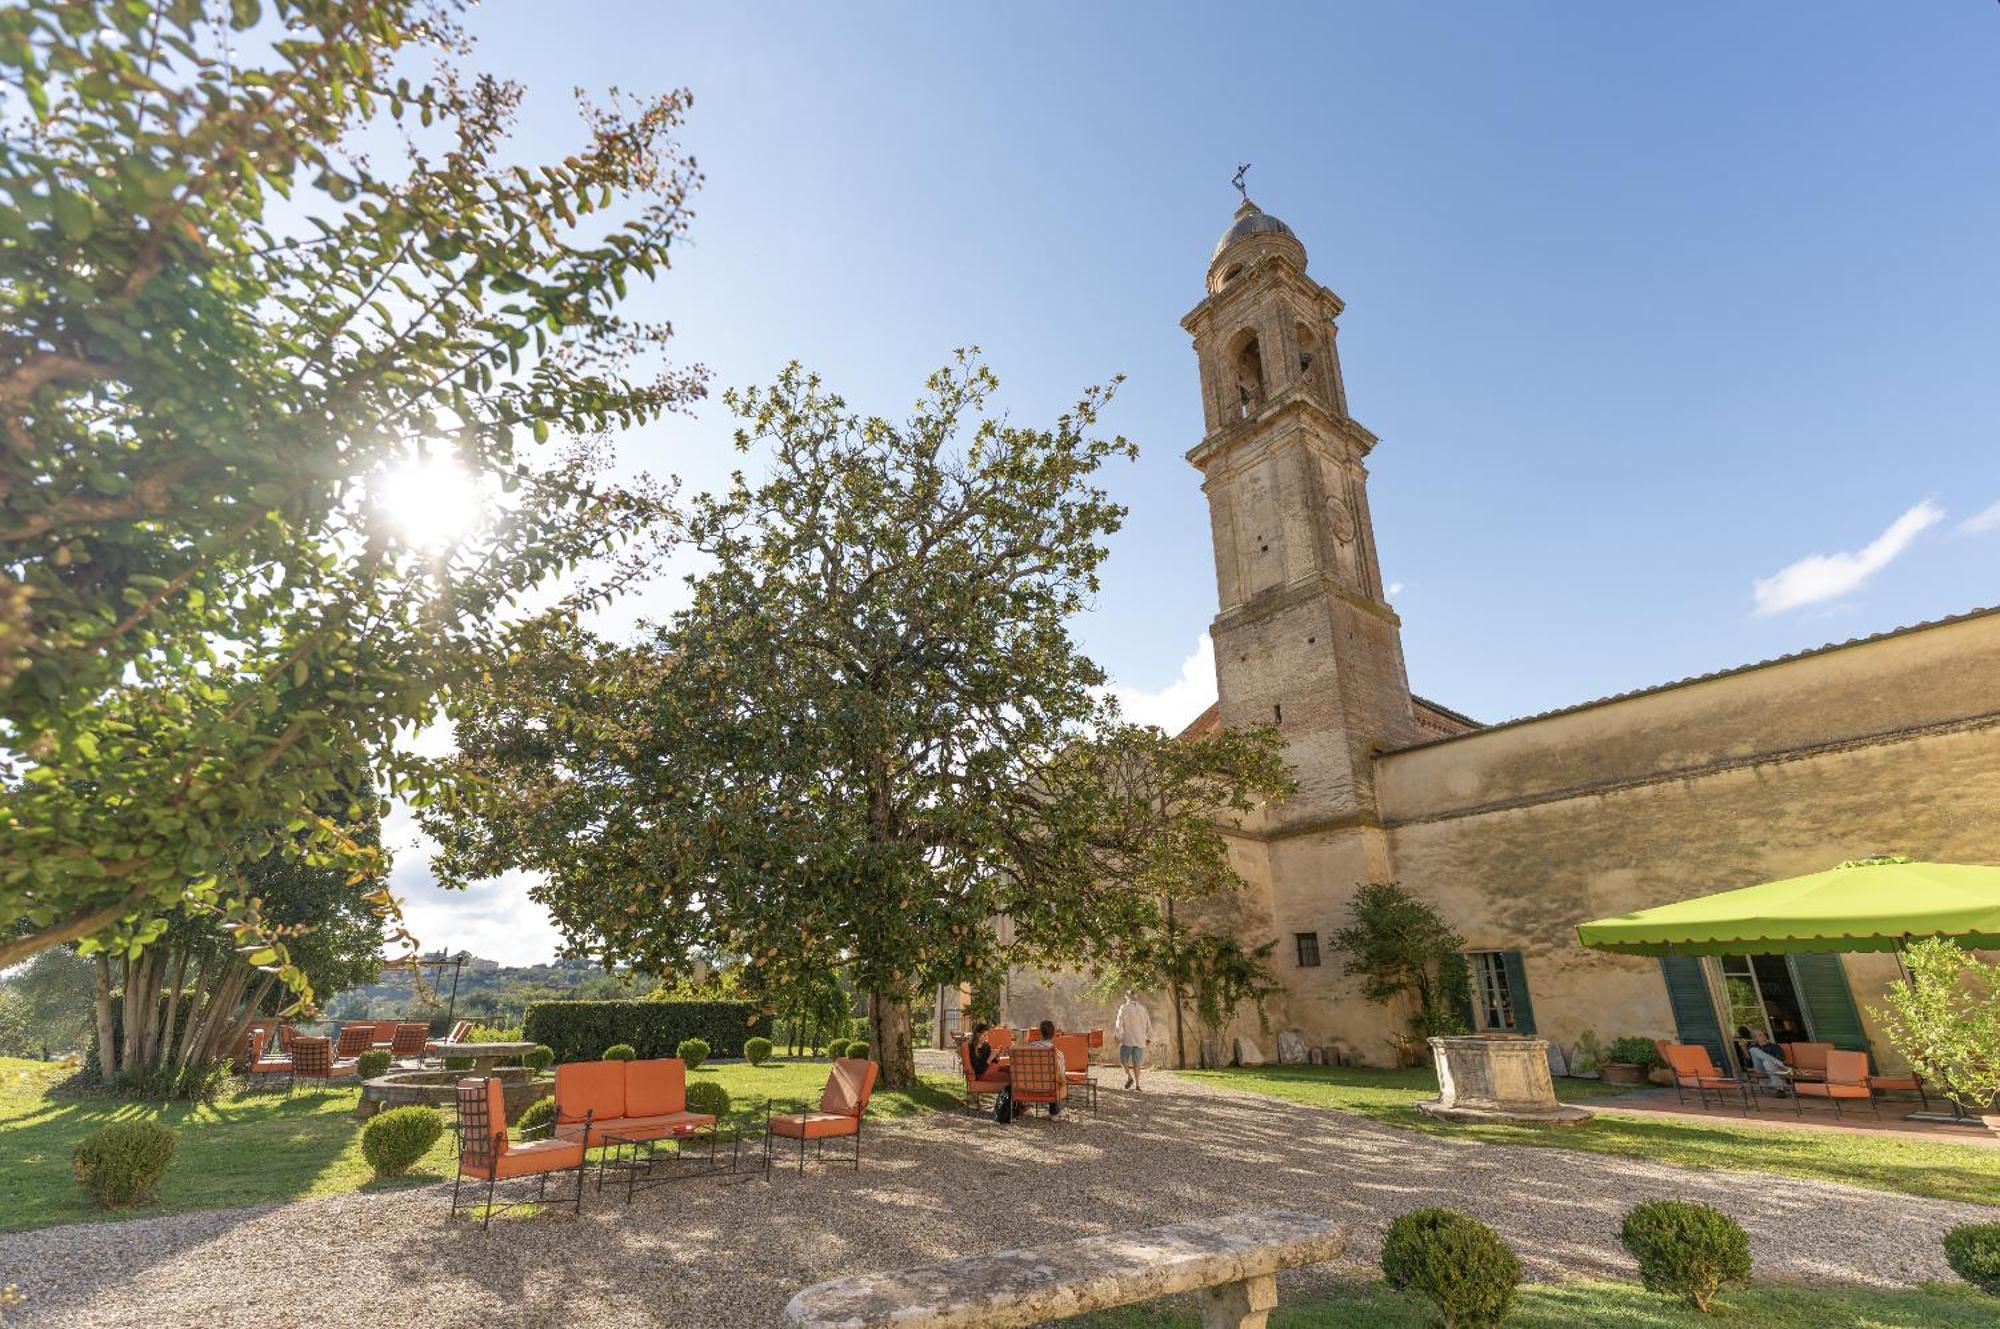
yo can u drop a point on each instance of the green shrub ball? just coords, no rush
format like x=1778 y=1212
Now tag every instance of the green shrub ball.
x=708 y=1098
x=757 y=1051
x=620 y=1052
x=121 y=1164
x=836 y=1049
x=536 y=1117
x=458 y=1063
x=1686 y=1250
x=1973 y=1252
x=858 y=1049
x=693 y=1051
x=539 y=1057
x=395 y=1140
x=372 y=1063
x=1635 y=1050
x=1453 y=1261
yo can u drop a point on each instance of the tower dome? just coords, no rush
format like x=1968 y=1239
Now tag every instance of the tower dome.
x=1250 y=220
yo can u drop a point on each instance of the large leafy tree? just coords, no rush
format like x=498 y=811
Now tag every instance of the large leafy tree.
x=869 y=734
x=222 y=321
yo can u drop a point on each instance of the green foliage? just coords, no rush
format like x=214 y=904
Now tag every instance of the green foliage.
x=539 y=1057
x=577 y=1029
x=1686 y=1250
x=1397 y=945
x=857 y=1049
x=708 y=1097
x=225 y=328
x=536 y=1118
x=52 y=999
x=121 y=1164
x=620 y=1052
x=458 y=1063
x=1453 y=1261
x=486 y=1033
x=373 y=1062
x=756 y=1051
x=1973 y=1252
x=693 y=1051
x=1945 y=1020
x=1632 y=1048
x=887 y=611
x=1586 y=1054
x=836 y=1049
x=393 y=1141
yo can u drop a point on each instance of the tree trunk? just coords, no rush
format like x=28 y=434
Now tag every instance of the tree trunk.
x=107 y=1055
x=1174 y=989
x=191 y=1028
x=165 y=1051
x=889 y=1039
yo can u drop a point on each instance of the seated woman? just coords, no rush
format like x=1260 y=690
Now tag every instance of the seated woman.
x=1763 y=1057
x=985 y=1065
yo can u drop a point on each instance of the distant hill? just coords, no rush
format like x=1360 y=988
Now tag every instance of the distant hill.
x=488 y=991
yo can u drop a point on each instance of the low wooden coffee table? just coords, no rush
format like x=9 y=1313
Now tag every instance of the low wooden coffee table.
x=645 y=1164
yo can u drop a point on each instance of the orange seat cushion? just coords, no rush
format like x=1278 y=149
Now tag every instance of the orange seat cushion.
x=1893 y=1081
x=525 y=1160
x=655 y=1087
x=1823 y=1089
x=815 y=1125
x=593 y=1087
x=271 y=1066
x=986 y=1086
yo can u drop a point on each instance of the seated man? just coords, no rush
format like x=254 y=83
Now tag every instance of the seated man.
x=1763 y=1057
x=1046 y=1038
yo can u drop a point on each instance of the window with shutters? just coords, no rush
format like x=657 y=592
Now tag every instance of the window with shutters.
x=1493 y=996
x=1308 y=943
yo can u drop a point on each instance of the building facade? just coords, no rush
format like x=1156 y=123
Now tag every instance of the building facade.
x=1520 y=831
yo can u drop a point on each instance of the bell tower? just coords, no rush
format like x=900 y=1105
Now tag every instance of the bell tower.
x=1304 y=639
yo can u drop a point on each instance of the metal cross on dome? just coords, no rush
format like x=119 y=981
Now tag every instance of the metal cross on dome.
x=1237 y=180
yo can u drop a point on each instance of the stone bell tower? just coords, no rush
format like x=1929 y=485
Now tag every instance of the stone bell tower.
x=1304 y=639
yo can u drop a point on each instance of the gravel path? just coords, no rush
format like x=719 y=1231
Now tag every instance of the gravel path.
x=728 y=1253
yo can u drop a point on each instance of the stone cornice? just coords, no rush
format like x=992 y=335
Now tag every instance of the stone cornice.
x=1280 y=598
x=1293 y=399
x=1702 y=770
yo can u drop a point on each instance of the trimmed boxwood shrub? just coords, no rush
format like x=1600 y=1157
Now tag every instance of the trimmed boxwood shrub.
x=858 y=1048
x=373 y=1062
x=756 y=1051
x=836 y=1049
x=1973 y=1252
x=1686 y=1250
x=539 y=1057
x=620 y=1052
x=536 y=1116
x=122 y=1163
x=693 y=1051
x=1453 y=1261
x=709 y=1097
x=393 y=1141
x=576 y=1030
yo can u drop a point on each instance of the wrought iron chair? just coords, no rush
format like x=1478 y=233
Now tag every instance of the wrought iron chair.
x=313 y=1059
x=486 y=1154
x=1038 y=1079
x=841 y=1107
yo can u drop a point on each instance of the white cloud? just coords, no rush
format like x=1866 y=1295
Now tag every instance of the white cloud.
x=495 y=920
x=1819 y=577
x=1395 y=588
x=1981 y=522
x=1174 y=706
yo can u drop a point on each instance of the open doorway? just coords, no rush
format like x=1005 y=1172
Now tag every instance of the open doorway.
x=1760 y=995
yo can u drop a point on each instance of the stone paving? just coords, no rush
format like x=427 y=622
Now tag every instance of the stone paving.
x=727 y=1254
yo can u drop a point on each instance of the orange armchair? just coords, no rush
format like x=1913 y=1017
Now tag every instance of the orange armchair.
x=355 y=1039
x=841 y=1107
x=977 y=1087
x=1846 y=1078
x=408 y=1044
x=1807 y=1060
x=314 y=1059
x=1037 y=1079
x=1692 y=1069
x=486 y=1154
x=1075 y=1049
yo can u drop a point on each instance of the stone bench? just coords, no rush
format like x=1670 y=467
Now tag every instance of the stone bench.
x=1230 y=1262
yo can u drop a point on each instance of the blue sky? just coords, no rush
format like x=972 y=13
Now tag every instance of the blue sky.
x=1680 y=325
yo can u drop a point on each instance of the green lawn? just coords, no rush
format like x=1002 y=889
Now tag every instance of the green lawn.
x=1627 y=1305
x=263 y=1147
x=1939 y=1170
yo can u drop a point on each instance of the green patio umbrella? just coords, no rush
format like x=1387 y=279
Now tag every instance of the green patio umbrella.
x=1870 y=904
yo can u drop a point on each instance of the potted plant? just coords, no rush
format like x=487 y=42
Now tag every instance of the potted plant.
x=1945 y=1020
x=1629 y=1060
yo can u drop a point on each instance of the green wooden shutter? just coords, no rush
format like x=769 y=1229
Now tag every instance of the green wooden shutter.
x=1821 y=981
x=1694 y=1010
x=1517 y=991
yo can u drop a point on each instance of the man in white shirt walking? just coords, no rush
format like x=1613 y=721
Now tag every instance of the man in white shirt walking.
x=1132 y=1026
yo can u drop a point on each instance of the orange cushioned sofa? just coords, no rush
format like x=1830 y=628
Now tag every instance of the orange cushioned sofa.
x=634 y=1100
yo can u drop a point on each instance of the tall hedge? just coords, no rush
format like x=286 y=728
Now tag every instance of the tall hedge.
x=581 y=1030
